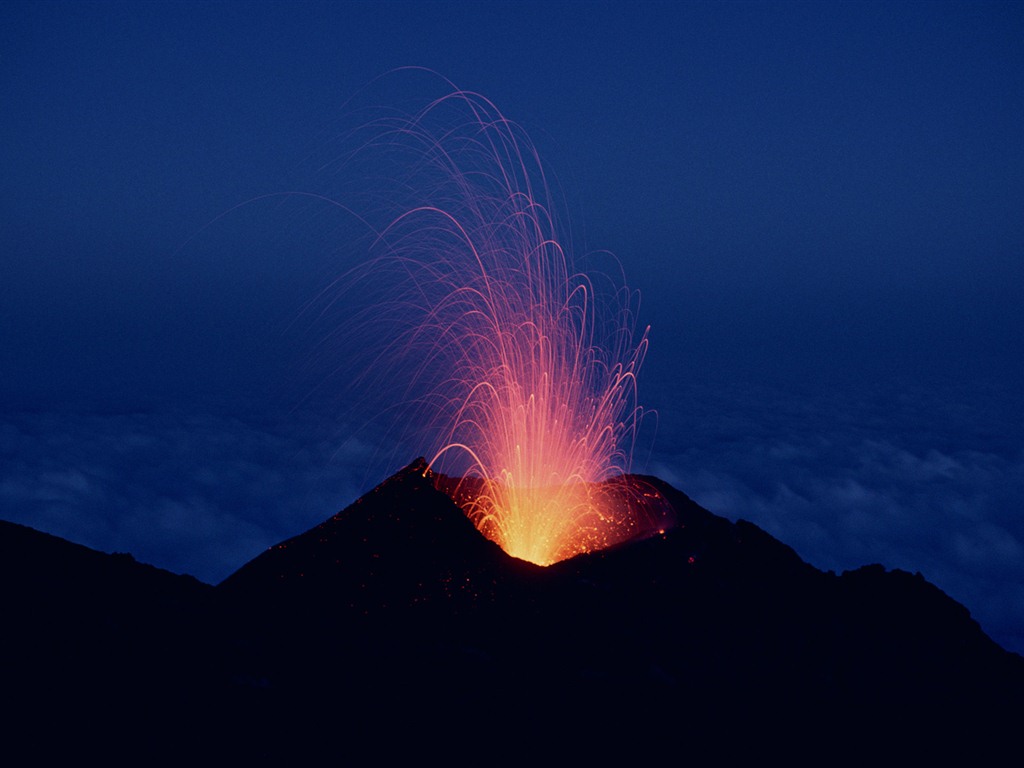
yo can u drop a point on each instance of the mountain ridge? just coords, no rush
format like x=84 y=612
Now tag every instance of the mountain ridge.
x=397 y=602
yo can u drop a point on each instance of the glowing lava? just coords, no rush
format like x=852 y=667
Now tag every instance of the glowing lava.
x=524 y=368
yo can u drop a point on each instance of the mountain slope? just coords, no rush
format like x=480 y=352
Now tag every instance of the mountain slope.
x=395 y=628
x=706 y=627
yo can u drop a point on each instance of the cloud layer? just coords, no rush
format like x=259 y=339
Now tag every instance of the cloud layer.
x=193 y=493
x=919 y=479
x=923 y=480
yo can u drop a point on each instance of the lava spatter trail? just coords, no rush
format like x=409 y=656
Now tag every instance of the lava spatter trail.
x=518 y=371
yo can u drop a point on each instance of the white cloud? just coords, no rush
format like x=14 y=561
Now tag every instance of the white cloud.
x=918 y=481
x=195 y=493
x=843 y=480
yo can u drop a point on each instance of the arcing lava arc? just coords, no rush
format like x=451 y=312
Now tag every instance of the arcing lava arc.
x=522 y=368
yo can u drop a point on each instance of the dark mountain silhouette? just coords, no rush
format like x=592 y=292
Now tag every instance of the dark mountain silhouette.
x=395 y=628
x=95 y=648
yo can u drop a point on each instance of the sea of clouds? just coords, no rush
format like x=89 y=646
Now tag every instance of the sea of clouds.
x=928 y=480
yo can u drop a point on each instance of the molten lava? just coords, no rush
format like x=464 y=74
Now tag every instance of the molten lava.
x=521 y=367
x=547 y=525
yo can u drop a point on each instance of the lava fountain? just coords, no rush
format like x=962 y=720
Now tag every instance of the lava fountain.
x=521 y=369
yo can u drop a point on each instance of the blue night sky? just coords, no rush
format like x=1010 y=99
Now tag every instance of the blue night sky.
x=821 y=205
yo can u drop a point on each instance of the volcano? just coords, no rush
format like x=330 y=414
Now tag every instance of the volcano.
x=396 y=628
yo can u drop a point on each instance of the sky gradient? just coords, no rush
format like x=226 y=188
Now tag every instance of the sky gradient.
x=820 y=204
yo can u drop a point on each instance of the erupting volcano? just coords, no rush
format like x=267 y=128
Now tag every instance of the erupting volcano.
x=520 y=368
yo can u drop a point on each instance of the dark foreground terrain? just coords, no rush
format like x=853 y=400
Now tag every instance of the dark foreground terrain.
x=395 y=631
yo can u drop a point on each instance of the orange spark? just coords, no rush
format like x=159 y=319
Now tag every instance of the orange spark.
x=523 y=368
